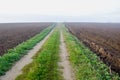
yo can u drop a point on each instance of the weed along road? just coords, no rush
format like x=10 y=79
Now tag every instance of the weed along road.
x=52 y=59
x=60 y=55
x=17 y=68
x=45 y=63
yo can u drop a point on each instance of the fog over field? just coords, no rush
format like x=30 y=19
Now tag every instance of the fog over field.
x=59 y=39
x=59 y=11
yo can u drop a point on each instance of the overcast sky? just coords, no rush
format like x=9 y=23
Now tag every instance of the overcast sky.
x=60 y=10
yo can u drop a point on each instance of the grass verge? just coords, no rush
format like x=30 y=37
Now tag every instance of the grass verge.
x=9 y=58
x=85 y=63
x=45 y=62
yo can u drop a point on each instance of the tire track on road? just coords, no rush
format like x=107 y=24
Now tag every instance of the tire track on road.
x=68 y=74
x=18 y=66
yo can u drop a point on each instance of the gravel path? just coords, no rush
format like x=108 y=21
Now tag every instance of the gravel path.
x=64 y=63
x=17 y=68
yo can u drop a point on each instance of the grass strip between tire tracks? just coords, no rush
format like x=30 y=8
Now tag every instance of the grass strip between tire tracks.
x=45 y=62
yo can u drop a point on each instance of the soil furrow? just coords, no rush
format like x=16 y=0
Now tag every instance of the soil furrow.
x=17 y=67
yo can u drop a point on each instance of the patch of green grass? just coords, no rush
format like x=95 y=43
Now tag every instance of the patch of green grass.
x=9 y=58
x=85 y=63
x=45 y=64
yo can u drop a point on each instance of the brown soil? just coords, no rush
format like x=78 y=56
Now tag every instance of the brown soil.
x=17 y=68
x=12 y=34
x=101 y=38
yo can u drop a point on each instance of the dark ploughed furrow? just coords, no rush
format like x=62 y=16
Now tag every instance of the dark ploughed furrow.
x=101 y=38
x=12 y=34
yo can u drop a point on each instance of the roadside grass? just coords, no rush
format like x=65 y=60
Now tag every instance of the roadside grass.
x=85 y=63
x=13 y=55
x=45 y=63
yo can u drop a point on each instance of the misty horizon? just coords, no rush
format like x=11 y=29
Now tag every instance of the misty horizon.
x=59 y=11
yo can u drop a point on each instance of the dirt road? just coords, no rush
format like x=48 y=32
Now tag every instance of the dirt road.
x=64 y=63
x=17 y=68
